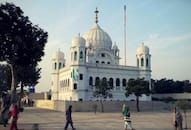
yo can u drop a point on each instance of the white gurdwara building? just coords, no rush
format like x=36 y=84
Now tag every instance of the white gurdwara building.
x=94 y=57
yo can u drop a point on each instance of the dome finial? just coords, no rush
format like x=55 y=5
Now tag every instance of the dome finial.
x=96 y=12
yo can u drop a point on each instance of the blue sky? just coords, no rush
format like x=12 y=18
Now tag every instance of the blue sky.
x=163 y=25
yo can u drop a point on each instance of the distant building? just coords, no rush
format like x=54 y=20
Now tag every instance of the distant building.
x=93 y=57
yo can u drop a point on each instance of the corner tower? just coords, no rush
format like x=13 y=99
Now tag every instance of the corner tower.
x=78 y=68
x=78 y=51
x=58 y=62
x=143 y=58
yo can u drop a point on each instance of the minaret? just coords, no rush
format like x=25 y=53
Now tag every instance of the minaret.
x=143 y=58
x=58 y=62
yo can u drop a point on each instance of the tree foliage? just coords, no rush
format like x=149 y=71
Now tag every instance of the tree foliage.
x=22 y=43
x=170 y=86
x=137 y=87
x=102 y=90
x=28 y=76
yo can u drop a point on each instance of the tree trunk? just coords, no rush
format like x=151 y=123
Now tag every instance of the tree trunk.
x=137 y=103
x=102 y=109
x=185 y=117
x=13 y=86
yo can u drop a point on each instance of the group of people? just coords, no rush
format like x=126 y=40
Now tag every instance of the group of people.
x=8 y=111
x=177 y=118
x=12 y=114
x=14 y=111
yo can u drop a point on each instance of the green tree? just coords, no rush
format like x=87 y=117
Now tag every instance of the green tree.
x=22 y=43
x=185 y=106
x=170 y=86
x=28 y=76
x=102 y=90
x=137 y=87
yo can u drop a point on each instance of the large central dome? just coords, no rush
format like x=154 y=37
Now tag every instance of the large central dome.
x=97 y=38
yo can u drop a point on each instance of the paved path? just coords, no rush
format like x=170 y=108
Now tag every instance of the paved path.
x=53 y=120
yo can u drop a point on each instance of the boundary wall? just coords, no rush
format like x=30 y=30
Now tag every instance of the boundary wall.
x=178 y=96
x=109 y=106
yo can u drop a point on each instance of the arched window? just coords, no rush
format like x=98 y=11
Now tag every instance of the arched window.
x=103 y=62
x=97 y=61
x=102 y=55
x=124 y=82
x=104 y=79
x=75 y=56
x=68 y=82
x=137 y=62
x=147 y=62
x=90 y=81
x=142 y=62
x=60 y=65
x=75 y=86
x=55 y=65
x=117 y=82
x=63 y=81
x=81 y=55
x=111 y=82
x=97 y=80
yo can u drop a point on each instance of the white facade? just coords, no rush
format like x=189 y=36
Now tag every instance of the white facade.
x=92 y=56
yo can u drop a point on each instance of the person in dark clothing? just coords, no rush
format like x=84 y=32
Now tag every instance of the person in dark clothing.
x=69 y=118
x=5 y=114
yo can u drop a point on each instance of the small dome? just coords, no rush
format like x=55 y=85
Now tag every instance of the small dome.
x=78 y=41
x=58 y=55
x=143 y=49
x=115 y=47
x=98 y=38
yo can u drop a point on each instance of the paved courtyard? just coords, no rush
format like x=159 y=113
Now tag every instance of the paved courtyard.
x=54 y=120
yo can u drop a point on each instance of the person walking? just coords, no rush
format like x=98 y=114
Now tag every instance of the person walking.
x=14 y=117
x=177 y=119
x=126 y=116
x=69 y=118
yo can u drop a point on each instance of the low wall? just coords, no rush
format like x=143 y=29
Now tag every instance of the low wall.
x=186 y=96
x=46 y=104
x=37 y=96
x=109 y=106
